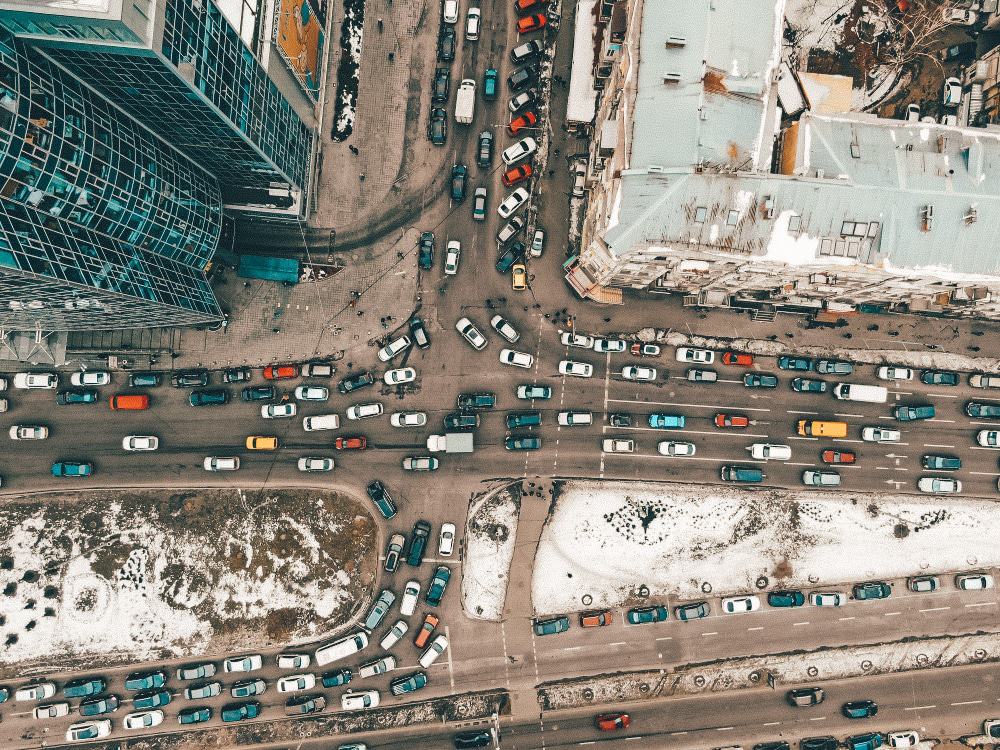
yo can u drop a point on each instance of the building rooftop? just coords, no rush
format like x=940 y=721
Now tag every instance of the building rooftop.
x=110 y=8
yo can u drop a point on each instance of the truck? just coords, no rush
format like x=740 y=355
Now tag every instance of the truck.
x=873 y=394
x=465 y=102
x=268 y=268
x=450 y=442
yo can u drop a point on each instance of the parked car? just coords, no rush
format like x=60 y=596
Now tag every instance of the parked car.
x=808 y=385
x=441 y=86
x=491 y=84
x=644 y=615
x=527 y=119
x=802 y=364
x=693 y=611
x=892 y=372
x=437 y=127
x=939 y=377
x=484 y=153
x=521 y=79
x=834 y=367
x=471 y=334
x=459 y=175
x=760 y=380
x=551 y=626
x=513 y=202
x=446 y=44
x=90 y=377
x=872 y=590
x=785 y=599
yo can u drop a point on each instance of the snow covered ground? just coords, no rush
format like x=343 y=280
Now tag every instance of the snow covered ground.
x=105 y=577
x=606 y=540
x=489 y=547
x=351 y=36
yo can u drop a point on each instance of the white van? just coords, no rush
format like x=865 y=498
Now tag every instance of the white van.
x=983 y=380
x=321 y=422
x=341 y=649
x=575 y=418
x=873 y=394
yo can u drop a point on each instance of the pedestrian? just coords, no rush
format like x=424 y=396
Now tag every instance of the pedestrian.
x=380 y=26
x=362 y=176
x=392 y=56
x=551 y=172
x=360 y=313
x=557 y=152
x=354 y=150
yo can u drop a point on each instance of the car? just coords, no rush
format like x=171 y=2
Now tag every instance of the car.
x=979 y=410
x=459 y=179
x=452 y=256
x=741 y=474
x=196 y=671
x=521 y=79
x=337 y=678
x=727 y=419
x=551 y=626
x=510 y=256
x=84 y=687
x=425 y=251
x=575 y=418
x=522 y=443
x=262 y=443
x=580 y=340
x=620 y=420
x=399 y=376
x=437 y=127
x=866 y=741
x=151 y=699
x=983 y=380
x=449 y=11
x=446 y=539
x=91 y=377
x=392 y=552
x=491 y=83
x=419 y=332
x=312 y=393
x=315 y=463
x=864 y=709
x=295 y=683
x=537 y=243
x=605 y=346
x=639 y=349
x=247 y=663
x=637 y=373
x=579 y=172
x=393 y=348
x=441 y=86
x=427 y=627
x=446 y=44
x=484 y=157
x=221 y=463
x=203 y=690
x=143 y=719
x=434 y=649
x=399 y=628
x=618 y=445
x=941 y=463
x=511 y=228
x=460 y=422
x=379 y=494
x=813 y=478
x=472 y=739
x=137 y=443
x=596 y=619
x=364 y=411
x=770 y=452
x=88 y=730
x=352 y=443
x=258 y=393
x=240 y=711
x=880 y=435
x=522 y=100
x=519 y=151
x=38 y=691
x=831 y=456
x=421 y=463
x=808 y=385
x=827 y=599
x=891 y=372
x=951 y=95
x=834 y=367
x=698 y=356
x=913 y=413
x=236 y=375
x=534 y=22
x=675 y=449
x=276 y=372
x=527 y=392
x=923 y=584
x=527 y=119
x=357 y=700
x=526 y=51
x=513 y=202
x=803 y=697
x=471 y=334
x=476 y=400
x=973 y=581
x=209 y=397
x=760 y=380
x=86 y=396
x=28 y=432
x=145 y=680
x=408 y=683
x=293 y=661
x=907 y=738
x=988 y=438
x=819 y=743
x=278 y=411
x=785 y=599
x=30 y=380
x=737 y=358
x=300 y=705
x=733 y=605
x=518 y=277
x=872 y=590
x=939 y=377
x=694 y=611
x=51 y=711
x=72 y=469
x=646 y=615
x=939 y=485
x=576 y=369
x=97 y=706
x=698 y=375
x=194 y=715
x=438 y=585
x=801 y=364
x=612 y=722
x=502 y=326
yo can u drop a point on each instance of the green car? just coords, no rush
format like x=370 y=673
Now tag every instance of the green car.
x=644 y=615
x=491 y=84
x=145 y=680
x=806 y=385
x=212 y=397
x=403 y=685
x=524 y=419
x=941 y=463
x=425 y=259
x=760 y=380
x=551 y=627
x=913 y=413
x=88 y=396
x=240 y=711
x=194 y=715
x=84 y=687
x=513 y=443
x=439 y=584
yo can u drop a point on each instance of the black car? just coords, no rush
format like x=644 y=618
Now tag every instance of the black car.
x=457 y=422
x=459 y=173
x=479 y=738
x=86 y=396
x=484 y=155
x=418 y=543
x=382 y=499
x=939 y=377
x=236 y=375
x=620 y=420
x=437 y=127
x=210 y=397
x=510 y=256
x=258 y=393
x=419 y=333
x=189 y=379
x=446 y=44
x=353 y=382
x=522 y=78
x=144 y=379
x=982 y=410
x=778 y=745
x=859 y=709
x=441 y=86
x=425 y=251
x=477 y=400
x=786 y=599
x=819 y=743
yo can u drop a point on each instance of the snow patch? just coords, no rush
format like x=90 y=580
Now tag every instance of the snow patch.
x=489 y=548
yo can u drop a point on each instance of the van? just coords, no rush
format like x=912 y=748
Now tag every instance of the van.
x=822 y=428
x=341 y=649
x=130 y=402
x=982 y=380
x=524 y=419
x=741 y=474
x=321 y=422
x=696 y=375
x=873 y=394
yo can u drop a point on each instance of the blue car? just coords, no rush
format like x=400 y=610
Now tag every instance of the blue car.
x=867 y=741
x=643 y=615
x=240 y=711
x=666 y=421
x=786 y=599
x=71 y=469
x=145 y=680
x=151 y=699
x=803 y=364
x=338 y=678
x=88 y=396
x=760 y=380
x=860 y=709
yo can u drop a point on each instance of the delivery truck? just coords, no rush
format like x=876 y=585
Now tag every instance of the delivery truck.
x=873 y=394
x=465 y=102
x=450 y=442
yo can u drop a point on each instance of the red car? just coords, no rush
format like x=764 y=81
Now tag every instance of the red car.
x=612 y=722
x=531 y=23
x=735 y=358
x=731 y=420
x=357 y=443
x=517 y=174
x=281 y=372
x=595 y=619
x=838 y=457
x=526 y=120
x=522 y=5
x=645 y=350
x=424 y=634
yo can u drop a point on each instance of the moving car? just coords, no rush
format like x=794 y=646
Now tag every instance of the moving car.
x=770 y=452
x=831 y=456
x=491 y=83
x=262 y=443
x=88 y=396
x=941 y=463
x=813 y=478
x=378 y=610
x=28 y=432
x=312 y=393
x=618 y=445
x=209 y=397
x=408 y=683
x=459 y=175
x=484 y=156
x=72 y=469
x=802 y=697
x=258 y=393
x=392 y=552
x=880 y=435
x=91 y=377
x=576 y=369
x=356 y=700
x=741 y=474
x=295 y=683
x=612 y=722
x=979 y=410
x=446 y=44
x=675 y=448
x=277 y=411
x=479 y=204
x=864 y=709
x=510 y=256
x=520 y=443
x=315 y=463
x=502 y=326
x=196 y=671
x=437 y=127
x=421 y=463
x=988 y=438
x=637 y=373
x=364 y=411
x=516 y=358
x=725 y=420
x=808 y=385
x=390 y=639
x=382 y=499
x=914 y=413
x=527 y=392
x=350 y=443
x=693 y=355
x=760 y=380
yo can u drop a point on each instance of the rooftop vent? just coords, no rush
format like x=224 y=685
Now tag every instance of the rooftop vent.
x=676 y=41
x=927 y=214
x=672 y=77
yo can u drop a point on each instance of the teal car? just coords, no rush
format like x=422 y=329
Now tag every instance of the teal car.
x=491 y=84
x=760 y=380
x=194 y=715
x=552 y=626
x=145 y=680
x=522 y=443
x=338 y=678
x=913 y=413
x=439 y=583
x=84 y=687
x=72 y=469
x=802 y=364
x=410 y=684
x=151 y=699
x=240 y=711
x=479 y=204
x=644 y=615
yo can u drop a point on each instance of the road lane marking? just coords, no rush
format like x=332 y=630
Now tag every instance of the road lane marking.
x=771 y=724
x=892 y=614
x=943 y=395
x=937 y=445
x=588 y=742
x=947 y=421
x=817 y=718
x=666 y=638
x=852 y=440
x=676 y=403
x=677 y=734
x=572 y=648
x=844 y=619
x=855 y=416
x=759 y=627
x=983 y=473
x=809 y=413
x=617 y=643
x=723 y=729
x=934 y=609
x=714 y=632
x=796 y=437
x=966 y=703
x=795 y=624
x=981 y=604
x=918 y=708
x=629 y=739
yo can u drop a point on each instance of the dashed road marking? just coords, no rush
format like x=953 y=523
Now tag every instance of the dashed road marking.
x=966 y=703
x=918 y=708
x=934 y=609
x=981 y=604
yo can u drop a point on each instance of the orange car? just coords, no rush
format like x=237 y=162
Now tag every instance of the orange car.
x=517 y=174
x=430 y=622
x=612 y=722
x=522 y=5
x=595 y=619
x=731 y=420
x=838 y=457
x=526 y=120
x=735 y=358
x=356 y=443
x=281 y=372
x=531 y=23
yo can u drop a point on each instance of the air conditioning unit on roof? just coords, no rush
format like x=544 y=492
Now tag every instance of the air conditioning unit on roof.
x=671 y=77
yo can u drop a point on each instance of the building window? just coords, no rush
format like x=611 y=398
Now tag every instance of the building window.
x=700 y=214
x=794 y=223
x=733 y=219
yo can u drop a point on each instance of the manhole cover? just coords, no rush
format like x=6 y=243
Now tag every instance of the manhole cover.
x=699 y=680
x=588 y=694
x=754 y=677
x=866 y=665
x=812 y=671
x=980 y=653
x=644 y=591
x=921 y=659
x=762 y=582
x=587 y=599
x=643 y=687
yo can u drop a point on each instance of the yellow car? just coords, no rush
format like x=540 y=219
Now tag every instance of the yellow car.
x=262 y=443
x=519 y=277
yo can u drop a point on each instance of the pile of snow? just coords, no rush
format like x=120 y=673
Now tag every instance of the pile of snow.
x=345 y=100
x=489 y=548
x=605 y=543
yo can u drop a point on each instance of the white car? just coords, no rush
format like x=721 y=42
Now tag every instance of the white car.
x=908 y=738
x=408 y=419
x=473 y=20
x=293 y=661
x=315 y=463
x=446 y=539
x=515 y=358
x=221 y=463
x=3 y=384
x=295 y=683
x=143 y=719
x=449 y=11
x=91 y=377
x=312 y=393
x=88 y=730
x=471 y=334
x=988 y=438
x=357 y=700
x=636 y=372
x=51 y=711
x=880 y=435
x=963 y=16
x=398 y=376
x=576 y=369
x=939 y=485
x=396 y=632
x=618 y=445
x=675 y=448
x=452 y=257
x=577 y=339
x=537 y=243
x=243 y=663
x=575 y=418
x=513 y=202
x=891 y=372
x=364 y=411
x=393 y=348
x=141 y=443
x=276 y=411
x=380 y=666
x=826 y=599
x=974 y=581
x=951 y=94
x=434 y=649
x=699 y=356
x=770 y=452
x=609 y=345
x=734 y=605
x=504 y=328
x=408 y=602
x=520 y=150
x=36 y=380
x=29 y=432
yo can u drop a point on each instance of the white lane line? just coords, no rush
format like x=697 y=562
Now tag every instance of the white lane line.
x=855 y=416
x=918 y=708
x=983 y=473
x=934 y=609
x=852 y=440
x=796 y=411
x=946 y=421
x=845 y=619
x=893 y=614
x=677 y=403
x=629 y=739
x=723 y=729
x=937 y=445
x=714 y=632
x=966 y=703
x=817 y=718
x=572 y=648
x=666 y=638
x=759 y=627
x=796 y=437
x=677 y=734
x=771 y=723
x=796 y=624
x=943 y=395
x=588 y=742
x=981 y=604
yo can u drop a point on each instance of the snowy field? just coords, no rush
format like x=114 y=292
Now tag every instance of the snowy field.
x=105 y=577
x=489 y=547
x=606 y=540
